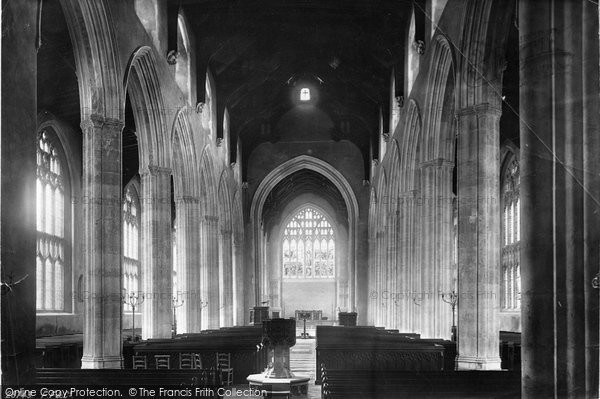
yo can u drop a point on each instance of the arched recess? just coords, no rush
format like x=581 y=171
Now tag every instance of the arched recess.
x=256 y=211
x=143 y=86
x=436 y=166
x=225 y=252
x=96 y=57
x=154 y=137
x=186 y=183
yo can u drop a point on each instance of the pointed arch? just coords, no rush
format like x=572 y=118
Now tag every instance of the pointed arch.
x=267 y=185
x=143 y=86
x=208 y=183
x=183 y=159
x=438 y=142
x=409 y=147
x=484 y=36
x=97 y=58
x=225 y=203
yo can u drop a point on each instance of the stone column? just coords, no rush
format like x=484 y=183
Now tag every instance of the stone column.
x=559 y=189
x=225 y=280
x=436 y=247
x=413 y=229
x=478 y=237
x=157 y=252
x=209 y=272
x=102 y=244
x=188 y=264
x=238 y=281
x=403 y=277
x=392 y=269
x=19 y=120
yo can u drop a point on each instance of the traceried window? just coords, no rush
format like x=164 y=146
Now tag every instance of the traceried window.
x=131 y=247
x=50 y=225
x=308 y=246
x=511 y=269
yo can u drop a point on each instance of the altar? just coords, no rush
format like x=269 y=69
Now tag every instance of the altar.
x=309 y=315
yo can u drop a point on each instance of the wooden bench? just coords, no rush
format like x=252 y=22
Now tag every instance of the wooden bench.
x=133 y=378
x=243 y=343
x=384 y=384
x=375 y=349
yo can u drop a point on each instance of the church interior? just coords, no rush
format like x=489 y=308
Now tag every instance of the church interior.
x=336 y=199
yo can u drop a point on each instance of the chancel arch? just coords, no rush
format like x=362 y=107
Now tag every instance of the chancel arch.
x=257 y=228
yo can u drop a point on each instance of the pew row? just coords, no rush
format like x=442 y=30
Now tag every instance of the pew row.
x=357 y=348
x=110 y=378
x=394 y=384
x=242 y=343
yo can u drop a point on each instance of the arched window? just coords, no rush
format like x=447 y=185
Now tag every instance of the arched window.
x=308 y=246
x=52 y=195
x=131 y=238
x=511 y=269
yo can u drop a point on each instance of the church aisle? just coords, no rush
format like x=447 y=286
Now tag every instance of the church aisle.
x=303 y=358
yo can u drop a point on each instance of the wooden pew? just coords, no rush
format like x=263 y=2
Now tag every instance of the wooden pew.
x=243 y=343
x=116 y=378
x=388 y=384
x=375 y=349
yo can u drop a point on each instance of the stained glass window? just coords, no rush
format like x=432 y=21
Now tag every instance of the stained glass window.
x=50 y=226
x=131 y=247
x=511 y=272
x=308 y=246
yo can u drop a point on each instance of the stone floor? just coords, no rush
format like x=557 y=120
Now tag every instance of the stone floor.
x=302 y=361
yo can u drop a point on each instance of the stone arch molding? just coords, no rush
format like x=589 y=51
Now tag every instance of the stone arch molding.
x=95 y=49
x=266 y=186
x=142 y=82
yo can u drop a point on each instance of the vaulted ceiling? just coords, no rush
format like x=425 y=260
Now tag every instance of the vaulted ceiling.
x=262 y=51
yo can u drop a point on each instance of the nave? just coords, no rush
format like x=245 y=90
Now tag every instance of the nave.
x=415 y=180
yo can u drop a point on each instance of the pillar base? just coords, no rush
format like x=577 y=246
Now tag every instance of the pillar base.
x=107 y=362
x=477 y=363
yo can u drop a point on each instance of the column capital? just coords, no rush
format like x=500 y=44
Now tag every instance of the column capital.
x=154 y=170
x=479 y=110
x=95 y=121
x=437 y=163
x=188 y=199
